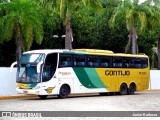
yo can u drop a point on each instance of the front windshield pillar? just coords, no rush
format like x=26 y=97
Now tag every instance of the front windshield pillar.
x=28 y=72
x=39 y=66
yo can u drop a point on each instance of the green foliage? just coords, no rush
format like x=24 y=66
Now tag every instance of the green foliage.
x=91 y=28
x=137 y=17
x=3 y=1
x=24 y=13
x=147 y=41
x=85 y=27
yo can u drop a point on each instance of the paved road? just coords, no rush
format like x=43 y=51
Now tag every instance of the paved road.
x=140 y=101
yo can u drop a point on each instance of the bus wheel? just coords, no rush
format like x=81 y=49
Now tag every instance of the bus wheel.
x=43 y=96
x=64 y=92
x=131 y=89
x=123 y=89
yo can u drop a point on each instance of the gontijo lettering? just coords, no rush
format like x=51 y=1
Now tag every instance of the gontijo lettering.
x=117 y=73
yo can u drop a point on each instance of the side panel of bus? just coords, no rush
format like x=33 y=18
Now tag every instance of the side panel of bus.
x=114 y=77
x=105 y=74
x=80 y=80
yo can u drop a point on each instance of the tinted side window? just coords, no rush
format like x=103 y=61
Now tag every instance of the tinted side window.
x=65 y=60
x=79 y=60
x=117 y=62
x=144 y=63
x=126 y=62
x=129 y=62
x=105 y=61
x=135 y=62
x=93 y=61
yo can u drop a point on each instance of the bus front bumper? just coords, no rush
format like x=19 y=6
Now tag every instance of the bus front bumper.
x=28 y=91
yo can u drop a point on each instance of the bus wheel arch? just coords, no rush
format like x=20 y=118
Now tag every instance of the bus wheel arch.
x=123 y=89
x=64 y=91
x=132 y=88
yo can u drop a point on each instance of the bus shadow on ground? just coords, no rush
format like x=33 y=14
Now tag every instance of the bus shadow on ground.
x=84 y=96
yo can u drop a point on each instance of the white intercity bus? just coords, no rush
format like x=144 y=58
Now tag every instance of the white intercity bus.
x=63 y=72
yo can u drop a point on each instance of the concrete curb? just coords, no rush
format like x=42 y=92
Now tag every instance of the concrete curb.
x=16 y=97
x=32 y=96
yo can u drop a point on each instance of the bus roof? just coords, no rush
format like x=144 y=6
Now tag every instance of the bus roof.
x=107 y=52
x=46 y=51
x=84 y=51
x=93 y=51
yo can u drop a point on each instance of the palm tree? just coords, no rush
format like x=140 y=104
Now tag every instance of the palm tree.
x=66 y=8
x=156 y=4
x=137 y=17
x=159 y=50
x=2 y=1
x=21 y=20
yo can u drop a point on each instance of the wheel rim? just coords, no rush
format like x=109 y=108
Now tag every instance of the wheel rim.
x=132 y=88
x=64 y=91
x=123 y=89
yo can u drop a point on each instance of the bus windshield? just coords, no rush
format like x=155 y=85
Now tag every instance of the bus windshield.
x=28 y=74
x=32 y=58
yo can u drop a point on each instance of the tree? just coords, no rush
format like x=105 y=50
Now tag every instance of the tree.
x=137 y=17
x=52 y=25
x=23 y=22
x=91 y=30
x=66 y=8
x=159 y=50
x=156 y=4
x=3 y=1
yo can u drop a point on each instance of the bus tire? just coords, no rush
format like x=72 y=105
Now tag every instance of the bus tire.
x=131 y=89
x=64 y=91
x=123 y=89
x=43 y=96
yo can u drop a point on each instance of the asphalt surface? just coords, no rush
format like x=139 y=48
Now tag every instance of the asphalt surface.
x=140 y=101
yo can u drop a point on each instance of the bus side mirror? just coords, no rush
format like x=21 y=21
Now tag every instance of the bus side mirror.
x=39 y=66
x=12 y=65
